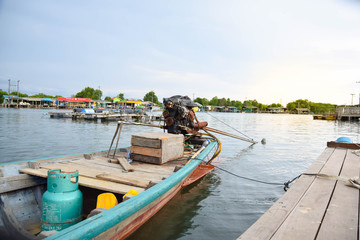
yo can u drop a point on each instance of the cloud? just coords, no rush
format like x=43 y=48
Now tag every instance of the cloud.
x=291 y=79
x=237 y=49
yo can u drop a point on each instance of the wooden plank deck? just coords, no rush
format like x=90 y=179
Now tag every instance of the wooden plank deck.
x=89 y=182
x=96 y=172
x=316 y=207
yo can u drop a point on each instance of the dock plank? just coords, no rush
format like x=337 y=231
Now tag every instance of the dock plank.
x=316 y=207
x=304 y=221
x=267 y=225
x=89 y=182
x=345 y=199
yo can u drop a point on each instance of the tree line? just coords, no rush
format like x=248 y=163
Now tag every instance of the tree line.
x=317 y=108
x=227 y=102
x=96 y=94
x=88 y=92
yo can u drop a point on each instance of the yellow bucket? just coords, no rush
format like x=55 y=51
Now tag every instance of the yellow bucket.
x=131 y=192
x=106 y=200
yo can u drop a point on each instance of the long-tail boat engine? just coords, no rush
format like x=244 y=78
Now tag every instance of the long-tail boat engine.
x=180 y=117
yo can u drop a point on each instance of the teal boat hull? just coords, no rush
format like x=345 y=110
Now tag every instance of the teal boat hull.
x=125 y=218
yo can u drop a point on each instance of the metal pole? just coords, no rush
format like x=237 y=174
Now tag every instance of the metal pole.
x=116 y=131
x=117 y=141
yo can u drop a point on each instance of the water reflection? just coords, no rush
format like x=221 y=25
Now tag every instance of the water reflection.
x=176 y=218
x=244 y=151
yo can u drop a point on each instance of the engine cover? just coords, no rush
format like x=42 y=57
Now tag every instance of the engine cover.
x=179 y=116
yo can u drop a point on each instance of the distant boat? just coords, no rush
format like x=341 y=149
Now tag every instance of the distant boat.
x=325 y=117
x=22 y=185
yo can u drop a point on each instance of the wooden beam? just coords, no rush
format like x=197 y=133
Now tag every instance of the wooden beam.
x=344 y=145
x=125 y=165
x=123 y=180
x=90 y=182
x=153 y=152
x=16 y=182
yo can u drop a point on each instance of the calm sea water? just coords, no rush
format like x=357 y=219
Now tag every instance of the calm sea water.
x=220 y=206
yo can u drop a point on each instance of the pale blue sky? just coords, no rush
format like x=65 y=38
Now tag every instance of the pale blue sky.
x=271 y=51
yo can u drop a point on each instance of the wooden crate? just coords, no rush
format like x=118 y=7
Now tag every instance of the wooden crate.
x=156 y=148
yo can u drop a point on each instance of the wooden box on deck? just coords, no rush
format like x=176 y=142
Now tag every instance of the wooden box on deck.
x=156 y=148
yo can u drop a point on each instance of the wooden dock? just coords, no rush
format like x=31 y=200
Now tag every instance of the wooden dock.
x=316 y=207
x=348 y=113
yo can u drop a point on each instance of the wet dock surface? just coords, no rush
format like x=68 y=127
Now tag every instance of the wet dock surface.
x=316 y=207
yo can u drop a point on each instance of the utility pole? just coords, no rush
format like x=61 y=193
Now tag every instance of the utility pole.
x=359 y=93
x=8 y=99
x=352 y=96
x=99 y=93
x=9 y=89
x=18 y=81
x=18 y=98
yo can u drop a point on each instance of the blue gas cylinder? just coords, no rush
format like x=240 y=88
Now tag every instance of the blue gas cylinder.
x=62 y=202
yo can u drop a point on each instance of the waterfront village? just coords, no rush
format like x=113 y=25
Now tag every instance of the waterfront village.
x=118 y=103
x=90 y=98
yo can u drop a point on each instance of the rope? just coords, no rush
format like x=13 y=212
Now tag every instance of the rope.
x=218 y=148
x=219 y=145
x=356 y=152
x=354 y=182
x=229 y=125
x=246 y=178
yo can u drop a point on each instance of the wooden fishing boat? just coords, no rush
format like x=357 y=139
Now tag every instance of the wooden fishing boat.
x=22 y=185
x=100 y=195
x=325 y=117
